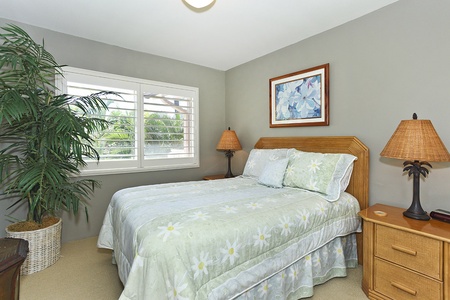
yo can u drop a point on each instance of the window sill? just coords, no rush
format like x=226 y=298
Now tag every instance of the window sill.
x=118 y=171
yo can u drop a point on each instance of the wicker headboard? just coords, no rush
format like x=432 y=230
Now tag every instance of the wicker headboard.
x=359 y=182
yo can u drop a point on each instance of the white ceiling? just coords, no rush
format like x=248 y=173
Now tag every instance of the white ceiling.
x=227 y=34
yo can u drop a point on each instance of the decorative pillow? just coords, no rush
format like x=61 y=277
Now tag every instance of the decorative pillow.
x=258 y=159
x=325 y=173
x=273 y=173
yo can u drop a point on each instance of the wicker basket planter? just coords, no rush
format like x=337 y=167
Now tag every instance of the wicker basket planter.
x=44 y=247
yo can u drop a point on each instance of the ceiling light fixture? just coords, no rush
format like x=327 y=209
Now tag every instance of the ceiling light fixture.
x=199 y=3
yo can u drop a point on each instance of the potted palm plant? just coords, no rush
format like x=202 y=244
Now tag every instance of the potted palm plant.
x=45 y=138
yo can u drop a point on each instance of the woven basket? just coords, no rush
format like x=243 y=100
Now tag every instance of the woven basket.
x=44 y=247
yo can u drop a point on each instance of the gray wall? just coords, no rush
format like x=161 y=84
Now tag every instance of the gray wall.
x=383 y=67
x=82 y=53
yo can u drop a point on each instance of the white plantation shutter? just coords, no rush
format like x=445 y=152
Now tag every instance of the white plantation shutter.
x=169 y=125
x=153 y=125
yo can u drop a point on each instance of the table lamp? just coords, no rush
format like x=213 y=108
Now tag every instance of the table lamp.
x=229 y=143
x=416 y=142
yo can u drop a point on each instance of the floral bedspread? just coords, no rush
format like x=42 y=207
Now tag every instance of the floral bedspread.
x=216 y=239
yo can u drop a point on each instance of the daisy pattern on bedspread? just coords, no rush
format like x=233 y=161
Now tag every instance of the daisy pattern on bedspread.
x=262 y=237
x=200 y=265
x=166 y=231
x=176 y=287
x=217 y=242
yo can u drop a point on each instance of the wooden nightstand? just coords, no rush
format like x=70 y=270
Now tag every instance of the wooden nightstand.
x=404 y=258
x=214 y=177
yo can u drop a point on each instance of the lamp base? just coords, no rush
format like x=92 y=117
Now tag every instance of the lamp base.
x=229 y=175
x=415 y=211
x=417 y=216
x=229 y=155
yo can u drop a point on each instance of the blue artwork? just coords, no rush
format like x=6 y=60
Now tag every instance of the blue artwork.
x=299 y=99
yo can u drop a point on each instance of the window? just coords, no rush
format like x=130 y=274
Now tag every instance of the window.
x=153 y=125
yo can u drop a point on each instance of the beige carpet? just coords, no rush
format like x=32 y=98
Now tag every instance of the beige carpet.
x=85 y=272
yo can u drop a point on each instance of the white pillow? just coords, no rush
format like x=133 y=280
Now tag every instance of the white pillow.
x=325 y=173
x=273 y=173
x=258 y=159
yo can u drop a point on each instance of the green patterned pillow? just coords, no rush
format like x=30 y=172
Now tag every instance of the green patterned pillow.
x=325 y=173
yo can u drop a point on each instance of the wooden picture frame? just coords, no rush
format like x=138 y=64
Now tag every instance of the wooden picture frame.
x=300 y=98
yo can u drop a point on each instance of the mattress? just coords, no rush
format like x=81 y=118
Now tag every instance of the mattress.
x=224 y=239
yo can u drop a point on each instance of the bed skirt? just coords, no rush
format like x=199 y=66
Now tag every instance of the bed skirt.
x=297 y=281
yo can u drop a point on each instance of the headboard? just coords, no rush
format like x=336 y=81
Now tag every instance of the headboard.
x=359 y=182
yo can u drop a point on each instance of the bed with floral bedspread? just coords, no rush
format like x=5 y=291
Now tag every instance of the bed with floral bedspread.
x=273 y=233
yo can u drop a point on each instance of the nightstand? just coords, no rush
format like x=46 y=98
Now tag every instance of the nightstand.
x=404 y=258
x=214 y=177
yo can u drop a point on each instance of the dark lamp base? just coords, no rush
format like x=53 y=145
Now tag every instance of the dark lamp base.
x=415 y=211
x=229 y=155
x=417 y=216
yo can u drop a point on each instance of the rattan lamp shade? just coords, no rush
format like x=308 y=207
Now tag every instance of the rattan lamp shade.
x=229 y=141
x=416 y=140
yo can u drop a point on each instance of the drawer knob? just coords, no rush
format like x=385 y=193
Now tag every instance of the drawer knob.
x=404 y=288
x=404 y=250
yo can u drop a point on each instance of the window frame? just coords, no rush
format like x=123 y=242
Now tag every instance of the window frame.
x=137 y=84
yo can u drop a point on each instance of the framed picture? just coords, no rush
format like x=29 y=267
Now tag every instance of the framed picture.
x=300 y=98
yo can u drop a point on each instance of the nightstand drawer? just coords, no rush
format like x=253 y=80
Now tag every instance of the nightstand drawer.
x=400 y=283
x=413 y=251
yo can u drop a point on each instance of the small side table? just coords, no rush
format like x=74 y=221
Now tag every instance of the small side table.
x=404 y=258
x=12 y=254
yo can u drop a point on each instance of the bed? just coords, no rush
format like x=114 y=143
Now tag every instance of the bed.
x=248 y=237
